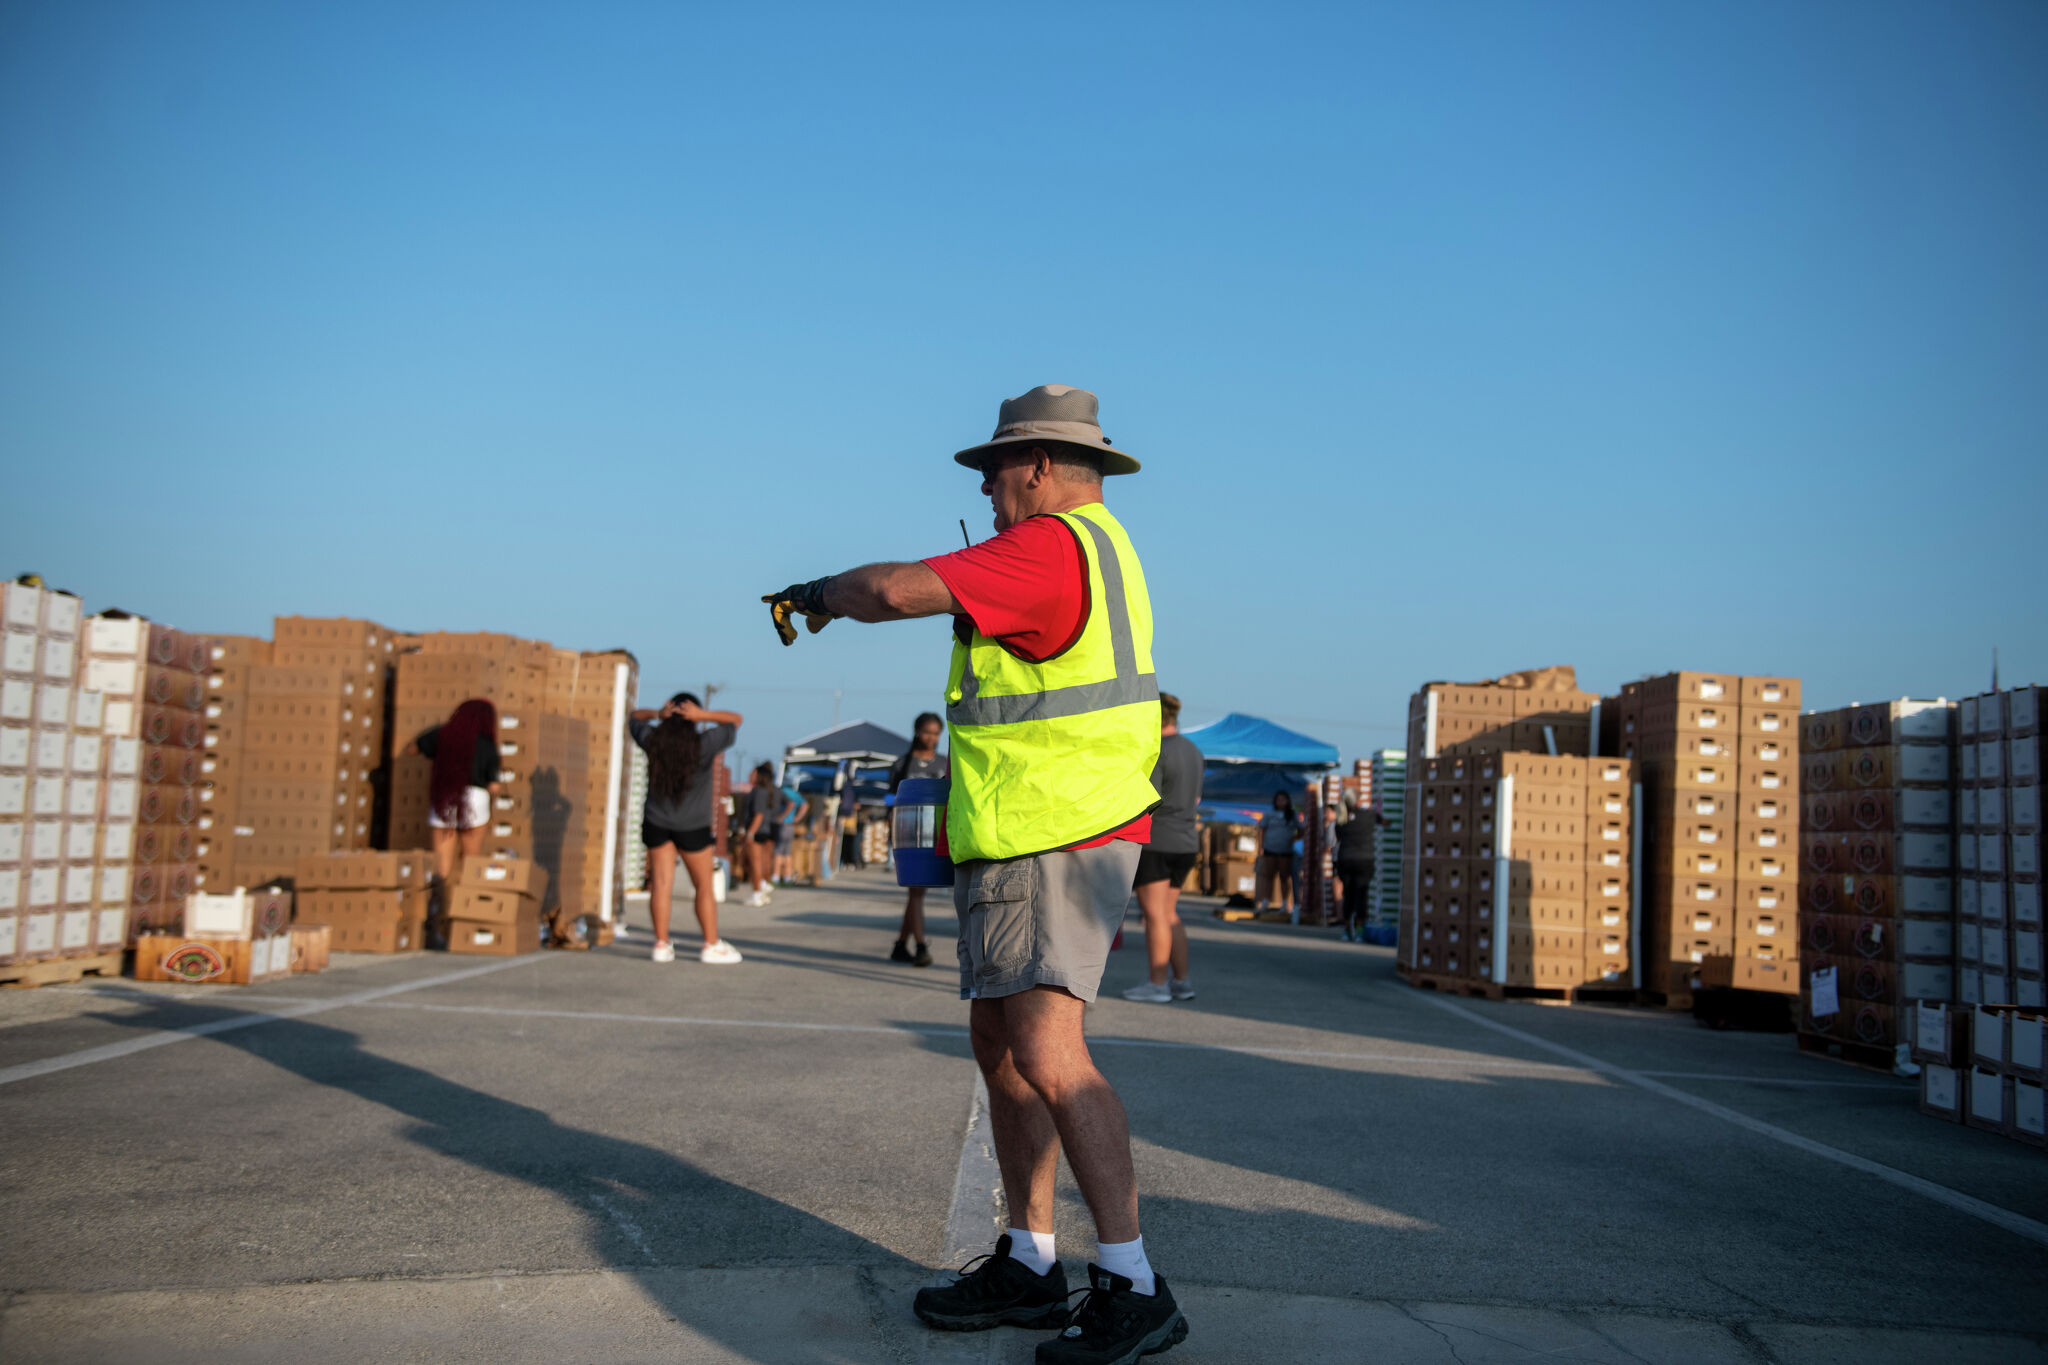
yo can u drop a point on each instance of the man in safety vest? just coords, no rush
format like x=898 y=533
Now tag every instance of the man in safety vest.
x=1053 y=709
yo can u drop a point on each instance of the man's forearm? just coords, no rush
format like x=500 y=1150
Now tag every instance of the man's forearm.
x=889 y=592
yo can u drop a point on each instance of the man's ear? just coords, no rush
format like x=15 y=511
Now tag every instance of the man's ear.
x=1041 y=465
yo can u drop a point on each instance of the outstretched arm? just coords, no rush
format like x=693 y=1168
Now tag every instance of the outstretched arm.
x=889 y=592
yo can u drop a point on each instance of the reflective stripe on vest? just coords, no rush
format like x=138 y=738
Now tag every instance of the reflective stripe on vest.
x=1127 y=687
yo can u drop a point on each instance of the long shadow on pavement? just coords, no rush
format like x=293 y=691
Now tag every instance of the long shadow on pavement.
x=645 y=1209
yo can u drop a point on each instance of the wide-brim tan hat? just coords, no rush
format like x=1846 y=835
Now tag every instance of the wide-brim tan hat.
x=1051 y=412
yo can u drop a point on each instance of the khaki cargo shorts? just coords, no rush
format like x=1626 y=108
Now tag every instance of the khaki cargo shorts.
x=1045 y=920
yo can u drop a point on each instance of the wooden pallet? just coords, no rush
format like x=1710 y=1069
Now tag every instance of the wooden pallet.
x=1863 y=1055
x=1666 y=1000
x=1491 y=990
x=58 y=971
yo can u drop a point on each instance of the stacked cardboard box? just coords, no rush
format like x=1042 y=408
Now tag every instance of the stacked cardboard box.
x=220 y=767
x=1521 y=869
x=55 y=900
x=2000 y=848
x=303 y=746
x=496 y=907
x=370 y=902
x=1718 y=758
x=541 y=808
x=1230 y=860
x=1877 y=885
x=154 y=681
x=1390 y=785
x=241 y=938
x=1534 y=711
x=599 y=689
x=1982 y=1065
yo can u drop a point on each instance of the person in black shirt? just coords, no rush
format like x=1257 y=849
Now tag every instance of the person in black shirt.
x=1168 y=858
x=683 y=742
x=464 y=778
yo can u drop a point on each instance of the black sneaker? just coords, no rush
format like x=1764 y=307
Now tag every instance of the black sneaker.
x=996 y=1290
x=1115 y=1324
x=923 y=958
x=900 y=953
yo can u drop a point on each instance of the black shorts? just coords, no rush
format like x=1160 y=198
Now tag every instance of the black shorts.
x=685 y=840
x=766 y=835
x=1164 y=867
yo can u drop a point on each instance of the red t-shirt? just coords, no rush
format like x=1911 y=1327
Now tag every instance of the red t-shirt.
x=1027 y=589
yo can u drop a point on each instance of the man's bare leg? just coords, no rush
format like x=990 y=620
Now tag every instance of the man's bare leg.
x=1049 y=1054
x=1027 y=1144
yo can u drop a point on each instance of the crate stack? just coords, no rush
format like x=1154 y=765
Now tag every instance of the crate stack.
x=308 y=742
x=233 y=657
x=1982 y=1065
x=1718 y=758
x=239 y=938
x=496 y=907
x=1539 y=711
x=2000 y=846
x=63 y=884
x=599 y=689
x=1877 y=928
x=153 y=679
x=1390 y=787
x=1230 y=860
x=634 y=853
x=540 y=809
x=1522 y=874
x=369 y=902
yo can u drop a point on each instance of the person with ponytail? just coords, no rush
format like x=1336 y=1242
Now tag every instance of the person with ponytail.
x=465 y=754
x=682 y=741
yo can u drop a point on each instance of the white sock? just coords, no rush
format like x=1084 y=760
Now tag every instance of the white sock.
x=1034 y=1249
x=1128 y=1260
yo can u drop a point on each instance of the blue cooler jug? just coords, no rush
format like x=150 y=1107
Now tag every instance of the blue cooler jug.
x=915 y=811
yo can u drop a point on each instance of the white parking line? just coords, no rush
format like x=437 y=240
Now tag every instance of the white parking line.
x=974 y=1219
x=2012 y=1222
x=164 y=1037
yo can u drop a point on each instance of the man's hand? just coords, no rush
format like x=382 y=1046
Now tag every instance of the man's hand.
x=799 y=599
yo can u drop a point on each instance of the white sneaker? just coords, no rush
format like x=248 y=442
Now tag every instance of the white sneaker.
x=1181 y=987
x=664 y=952
x=757 y=900
x=1149 y=994
x=719 y=952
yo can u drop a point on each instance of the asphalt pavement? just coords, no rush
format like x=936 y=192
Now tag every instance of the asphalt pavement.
x=590 y=1156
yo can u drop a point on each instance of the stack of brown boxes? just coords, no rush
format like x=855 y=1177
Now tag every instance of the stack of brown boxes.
x=1876 y=890
x=220 y=767
x=153 y=679
x=1982 y=1065
x=310 y=742
x=540 y=811
x=1521 y=870
x=496 y=907
x=1719 y=764
x=1230 y=860
x=370 y=902
x=1538 y=711
x=599 y=689
x=242 y=938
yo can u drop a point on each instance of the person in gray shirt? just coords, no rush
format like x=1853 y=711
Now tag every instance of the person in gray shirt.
x=683 y=742
x=1168 y=858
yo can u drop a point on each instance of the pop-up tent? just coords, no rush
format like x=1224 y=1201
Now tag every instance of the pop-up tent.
x=861 y=752
x=1246 y=759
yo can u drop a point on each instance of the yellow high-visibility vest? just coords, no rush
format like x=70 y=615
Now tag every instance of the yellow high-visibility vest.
x=1049 y=754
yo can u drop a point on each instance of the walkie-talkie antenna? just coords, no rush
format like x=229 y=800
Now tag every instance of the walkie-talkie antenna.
x=963 y=533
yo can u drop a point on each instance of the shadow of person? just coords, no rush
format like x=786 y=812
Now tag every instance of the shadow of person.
x=644 y=1210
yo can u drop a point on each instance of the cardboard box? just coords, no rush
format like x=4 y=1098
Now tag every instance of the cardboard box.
x=2027 y=1116
x=364 y=870
x=2024 y=1038
x=496 y=938
x=1989 y=1100
x=1941 y=1091
x=310 y=945
x=212 y=961
x=1938 y=1032
x=493 y=905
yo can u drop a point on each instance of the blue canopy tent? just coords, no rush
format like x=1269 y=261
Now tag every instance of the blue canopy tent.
x=1246 y=759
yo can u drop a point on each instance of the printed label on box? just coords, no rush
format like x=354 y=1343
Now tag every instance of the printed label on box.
x=1826 y=999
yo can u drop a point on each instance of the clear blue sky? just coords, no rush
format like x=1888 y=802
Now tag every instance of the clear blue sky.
x=1456 y=338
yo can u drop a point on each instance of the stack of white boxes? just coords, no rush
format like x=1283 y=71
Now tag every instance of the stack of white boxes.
x=2000 y=843
x=54 y=901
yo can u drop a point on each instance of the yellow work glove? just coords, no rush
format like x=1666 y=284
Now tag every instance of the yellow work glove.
x=799 y=599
